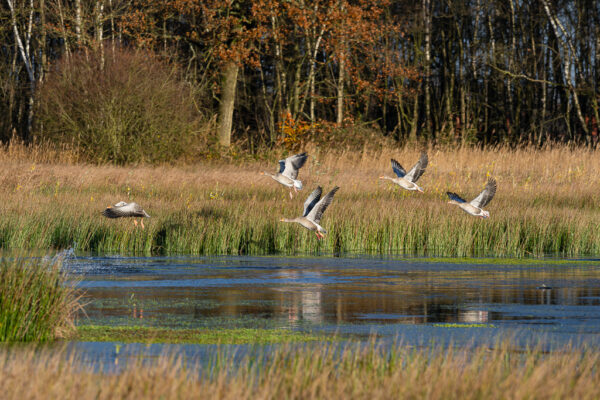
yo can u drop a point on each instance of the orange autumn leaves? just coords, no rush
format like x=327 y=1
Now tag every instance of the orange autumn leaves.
x=359 y=33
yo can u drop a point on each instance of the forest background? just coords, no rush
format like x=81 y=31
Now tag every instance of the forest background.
x=130 y=81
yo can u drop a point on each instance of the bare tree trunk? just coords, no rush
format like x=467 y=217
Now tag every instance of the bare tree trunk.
x=227 y=103
x=296 y=87
x=415 y=120
x=475 y=42
x=340 y=89
x=112 y=26
x=23 y=46
x=314 y=50
x=270 y=110
x=342 y=72
x=568 y=53
x=63 y=29
x=511 y=56
x=544 y=100
x=281 y=77
x=78 y=21
x=164 y=28
x=100 y=30
x=42 y=40
x=426 y=4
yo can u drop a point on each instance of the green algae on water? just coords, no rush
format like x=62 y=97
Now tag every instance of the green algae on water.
x=145 y=334
x=456 y=325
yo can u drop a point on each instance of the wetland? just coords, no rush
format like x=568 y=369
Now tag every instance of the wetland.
x=416 y=300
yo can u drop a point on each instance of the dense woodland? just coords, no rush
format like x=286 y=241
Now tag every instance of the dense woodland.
x=268 y=72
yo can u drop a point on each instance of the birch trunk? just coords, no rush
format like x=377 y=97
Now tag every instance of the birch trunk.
x=78 y=21
x=100 y=31
x=23 y=47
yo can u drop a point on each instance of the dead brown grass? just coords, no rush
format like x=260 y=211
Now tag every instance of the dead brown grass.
x=314 y=373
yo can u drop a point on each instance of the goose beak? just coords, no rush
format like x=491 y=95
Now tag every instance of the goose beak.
x=261 y=173
x=381 y=177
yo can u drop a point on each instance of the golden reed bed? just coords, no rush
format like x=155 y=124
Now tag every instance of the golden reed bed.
x=546 y=203
x=313 y=373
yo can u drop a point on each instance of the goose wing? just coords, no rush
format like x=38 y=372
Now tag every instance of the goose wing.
x=398 y=170
x=310 y=202
x=455 y=197
x=317 y=212
x=486 y=195
x=293 y=164
x=119 y=210
x=126 y=210
x=417 y=170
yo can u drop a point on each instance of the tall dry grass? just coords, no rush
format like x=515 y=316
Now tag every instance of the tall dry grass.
x=314 y=373
x=546 y=203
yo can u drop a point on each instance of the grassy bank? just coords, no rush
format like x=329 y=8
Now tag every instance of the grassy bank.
x=547 y=203
x=145 y=334
x=35 y=302
x=318 y=372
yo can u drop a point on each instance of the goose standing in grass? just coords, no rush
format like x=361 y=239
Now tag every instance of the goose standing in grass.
x=314 y=207
x=475 y=206
x=408 y=180
x=123 y=210
x=288 y=172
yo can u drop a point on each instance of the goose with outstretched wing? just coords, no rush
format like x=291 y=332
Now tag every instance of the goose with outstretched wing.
x=314 y=207
x=475 y=206
x=288 y=172
x=126 y=210
x=408 y=180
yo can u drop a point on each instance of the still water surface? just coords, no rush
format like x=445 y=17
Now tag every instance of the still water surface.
x=419 y=301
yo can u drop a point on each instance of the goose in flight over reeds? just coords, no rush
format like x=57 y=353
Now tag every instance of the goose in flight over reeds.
x=288 y=172
x=124 y=210
x=408 y=180
x=314 y=207
x=475 y=206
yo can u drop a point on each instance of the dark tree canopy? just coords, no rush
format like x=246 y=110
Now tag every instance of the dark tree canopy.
x=445 y=72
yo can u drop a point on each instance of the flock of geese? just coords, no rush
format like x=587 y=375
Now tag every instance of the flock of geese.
x=315 y=205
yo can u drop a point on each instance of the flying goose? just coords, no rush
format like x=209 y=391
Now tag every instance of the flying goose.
x=122 y=209
x=313 y=211
x=474 y=207
x=288 y=172
x=408 y=180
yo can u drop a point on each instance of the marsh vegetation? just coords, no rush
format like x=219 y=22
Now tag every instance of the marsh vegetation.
x=37 y=303
x=546 y=203
x=315 y=372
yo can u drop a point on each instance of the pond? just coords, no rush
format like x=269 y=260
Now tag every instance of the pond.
x=419 y=301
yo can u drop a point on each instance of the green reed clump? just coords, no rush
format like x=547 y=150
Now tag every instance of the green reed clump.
x=36 y=301
x=239 y=228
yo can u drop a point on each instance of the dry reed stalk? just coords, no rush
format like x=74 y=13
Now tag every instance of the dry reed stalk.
x=314 y=373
